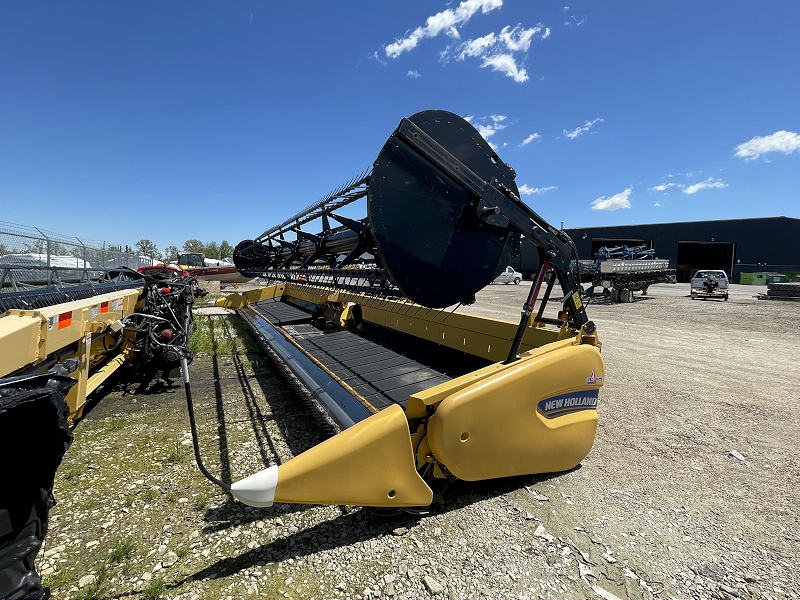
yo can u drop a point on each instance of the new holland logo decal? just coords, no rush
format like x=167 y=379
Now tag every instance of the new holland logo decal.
x=593 y=379
x=569 y=403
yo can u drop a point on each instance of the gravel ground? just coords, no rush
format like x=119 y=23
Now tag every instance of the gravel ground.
x=690 y=491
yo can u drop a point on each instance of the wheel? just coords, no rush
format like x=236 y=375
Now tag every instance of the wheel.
x=516 y=280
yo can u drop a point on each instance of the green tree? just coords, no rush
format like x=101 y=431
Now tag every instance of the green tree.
x=170 y=253
x=194 y=245
x=212 y=250
x=147 y=248
x=225 y=249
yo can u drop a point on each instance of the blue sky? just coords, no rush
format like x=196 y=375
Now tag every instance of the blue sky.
x=169 y=121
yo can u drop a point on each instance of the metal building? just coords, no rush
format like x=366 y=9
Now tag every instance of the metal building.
x=735 y=246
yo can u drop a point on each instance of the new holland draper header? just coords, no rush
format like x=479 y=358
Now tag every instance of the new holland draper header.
x=358 y=314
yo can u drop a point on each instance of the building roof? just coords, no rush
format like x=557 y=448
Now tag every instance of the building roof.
x=712 y=222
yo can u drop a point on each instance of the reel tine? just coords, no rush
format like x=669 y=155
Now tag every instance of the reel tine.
x=451 y=312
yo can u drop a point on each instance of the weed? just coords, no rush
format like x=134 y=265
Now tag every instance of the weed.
x=148 y=495
x=154 y=589
x=177 y=453
x=58 y=579
x=129 y=501
x=201 y=501
x=93 y=591
x=182 y=551
x=172 y=496
x=122 y=550
x=73 y=472
x=117 y=423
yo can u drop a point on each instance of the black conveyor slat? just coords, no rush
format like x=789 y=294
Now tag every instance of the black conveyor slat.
x=281 y=313
x=377 y=373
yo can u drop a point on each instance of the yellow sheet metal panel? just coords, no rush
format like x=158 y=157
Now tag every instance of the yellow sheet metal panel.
x=419 y=402
x=369 y=464
x=19 y=340
x=240 y=299
x=539 y=416
x=480 y=336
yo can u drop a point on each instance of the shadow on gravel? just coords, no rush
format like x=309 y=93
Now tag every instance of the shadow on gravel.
x=606 y=300
x=358 y=525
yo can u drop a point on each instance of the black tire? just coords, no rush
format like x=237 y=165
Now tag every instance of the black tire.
x=516 y=280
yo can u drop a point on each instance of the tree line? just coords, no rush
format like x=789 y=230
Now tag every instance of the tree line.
x=210 y=249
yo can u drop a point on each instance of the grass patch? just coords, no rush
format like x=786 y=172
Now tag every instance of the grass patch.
x=95 y=590
x=58 y=578
x=154 y=589
x=182 y=551
x=201 y=501
x=73 y=472
x=221 y=335
x=177 y=453
x=117 y=423
x=129 y=500
x=122 y=550
x=148 y=495
x=172 y=496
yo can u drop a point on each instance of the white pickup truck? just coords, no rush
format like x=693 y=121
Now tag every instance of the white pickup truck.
x=509 y=276
x=709 y=284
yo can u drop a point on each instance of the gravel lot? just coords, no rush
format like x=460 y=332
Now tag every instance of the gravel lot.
x=691 y=489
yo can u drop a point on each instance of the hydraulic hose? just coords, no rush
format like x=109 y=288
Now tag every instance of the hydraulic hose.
x=190 y=406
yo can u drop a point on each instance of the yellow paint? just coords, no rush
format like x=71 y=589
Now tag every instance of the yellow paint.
x=35 y=335
x=494 y=429
x=369 y=464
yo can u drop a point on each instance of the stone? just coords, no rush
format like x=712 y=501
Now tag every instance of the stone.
x=434 y=587
x=729 y=590
x=736 y=455
x=750 y=577
x=56 y=550
x=92 y=544
x=147 y=576
x=170 y=558
x=194 y=535
x=86 y=580
x=542 y=533
x=389 y=589
x=400 y=531
x=389 y=578
x=183 y=500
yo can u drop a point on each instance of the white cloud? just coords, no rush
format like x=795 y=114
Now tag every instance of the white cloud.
x=575 y=21
x=780 y=141
x=414 y=74
x=704 y=185
x=518 y=39
x=489 y=129
x=477 y=47
x=662 y=187
x=498 y=50
x=506 y=64
x=657 y=204
x=526 y=190
x=446 y=21
x=614 y=202
x=531 y=138
x=578 y=131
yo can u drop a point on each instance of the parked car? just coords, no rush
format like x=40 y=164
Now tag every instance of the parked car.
x=509 y=276
x=709 y=284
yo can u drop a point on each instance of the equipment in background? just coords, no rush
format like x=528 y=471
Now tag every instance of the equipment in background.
x=415 y=393
x=709 y=284
x=622 y=270
x=209 y=269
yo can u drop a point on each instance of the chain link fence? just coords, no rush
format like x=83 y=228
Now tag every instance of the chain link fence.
x=20 y=245
x=32 y=257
